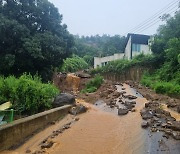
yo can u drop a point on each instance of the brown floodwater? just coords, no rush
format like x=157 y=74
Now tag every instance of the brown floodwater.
x=100 y=131
x=104 y=132
x=173 y=113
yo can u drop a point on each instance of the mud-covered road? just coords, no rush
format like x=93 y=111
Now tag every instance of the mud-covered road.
x=102 y=130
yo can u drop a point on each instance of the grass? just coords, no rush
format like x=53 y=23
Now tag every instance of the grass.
x=159 y=86
x=93 y=84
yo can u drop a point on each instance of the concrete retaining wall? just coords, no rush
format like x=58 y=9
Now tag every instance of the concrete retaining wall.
x=133 y=73
x=16 y=132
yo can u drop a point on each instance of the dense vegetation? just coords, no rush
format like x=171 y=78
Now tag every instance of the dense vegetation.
x=93 y=84
x=165 y=60
x=73 y=64
x=166 y=79
x=32 y=38
x=98 y=46
x=160 y=86
x=27 y=94
x=120 y=66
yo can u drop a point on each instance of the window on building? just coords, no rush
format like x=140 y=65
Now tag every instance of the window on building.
x=136 y=47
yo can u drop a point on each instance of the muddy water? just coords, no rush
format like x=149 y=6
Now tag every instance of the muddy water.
x=104 y=132
x=173 y=113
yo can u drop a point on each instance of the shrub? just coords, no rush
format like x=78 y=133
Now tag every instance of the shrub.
x=73 y=64
x=27 y=94
x=119 y=66
x=163 y=87
x=93 y=84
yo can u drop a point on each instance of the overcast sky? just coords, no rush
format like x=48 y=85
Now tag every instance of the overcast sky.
x=91 y=17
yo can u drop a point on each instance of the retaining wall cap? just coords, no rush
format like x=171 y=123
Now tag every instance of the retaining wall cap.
x=16 y=122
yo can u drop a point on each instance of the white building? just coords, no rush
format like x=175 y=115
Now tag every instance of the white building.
x=99 y=62
x=137 y=44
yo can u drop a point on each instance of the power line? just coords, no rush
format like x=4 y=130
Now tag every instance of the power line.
x=158 y=17
x=156 y=20
x=154 y=23
x=155 y=15
x=158 y=14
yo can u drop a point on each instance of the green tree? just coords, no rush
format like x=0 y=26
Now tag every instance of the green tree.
x=32 y=37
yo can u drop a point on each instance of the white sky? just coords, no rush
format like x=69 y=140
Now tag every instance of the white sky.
x=91 y=17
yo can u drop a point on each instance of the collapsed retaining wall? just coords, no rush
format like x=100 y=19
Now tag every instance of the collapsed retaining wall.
x=133 y=73
x=16 y=132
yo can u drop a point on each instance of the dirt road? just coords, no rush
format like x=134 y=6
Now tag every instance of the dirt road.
x=100 y=131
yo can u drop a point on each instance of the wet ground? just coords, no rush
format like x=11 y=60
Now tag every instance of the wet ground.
x=102 y=131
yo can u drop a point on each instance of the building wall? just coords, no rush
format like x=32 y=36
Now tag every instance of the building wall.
x=128 y=49
x=99 y=62
x=144 y=49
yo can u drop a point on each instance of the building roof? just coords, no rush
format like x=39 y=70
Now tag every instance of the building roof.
x=138 y=38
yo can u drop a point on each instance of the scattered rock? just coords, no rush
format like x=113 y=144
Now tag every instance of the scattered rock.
x=147 y=114
x=164 y=125
x=166 y=135
x=175 y=125
x=133 y=110
x=116 y=94
x=122 y=111
x=122 y=92
x=67 y=126
x=76 y=119
x=144 y=124
x=63 y=99
x=176 y=135
x=130 y=96
x=168 y=131
x=153 y=129
x=78 y=109
x=129 y=105
x=28 y=151
x=112 y=106
x=109 y=91
x=120 y=100
x=48 y=144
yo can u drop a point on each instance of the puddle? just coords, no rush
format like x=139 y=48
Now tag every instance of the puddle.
x=132 y=90
x=174 y=114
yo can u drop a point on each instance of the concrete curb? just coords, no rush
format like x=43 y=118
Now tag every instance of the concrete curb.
x=16 y=132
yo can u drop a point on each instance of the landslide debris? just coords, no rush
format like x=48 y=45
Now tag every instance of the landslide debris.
x=158 y=119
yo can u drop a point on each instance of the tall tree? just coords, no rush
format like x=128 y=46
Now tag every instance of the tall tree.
x=33 y=38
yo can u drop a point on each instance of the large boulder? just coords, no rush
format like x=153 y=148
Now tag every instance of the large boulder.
x=147 y=114
x=78 y=109
x=123 y=111
x=64 y=99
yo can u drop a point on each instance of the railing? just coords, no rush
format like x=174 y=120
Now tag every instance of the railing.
x=6 y=116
